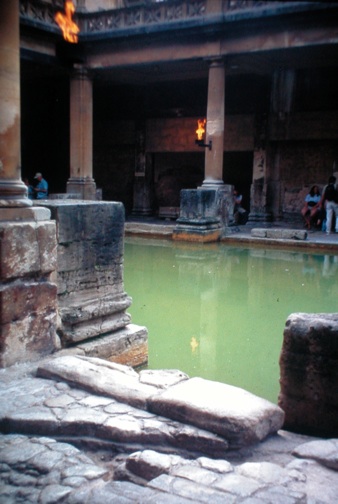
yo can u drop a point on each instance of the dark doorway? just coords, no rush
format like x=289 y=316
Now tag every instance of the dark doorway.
x=176 y=171
x=237 y=170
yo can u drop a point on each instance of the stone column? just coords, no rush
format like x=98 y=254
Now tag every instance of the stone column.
x=213 y=171
x=13 y=192
x=143 y=175
x=81 y=180
x=259 y=192
x=28 y=301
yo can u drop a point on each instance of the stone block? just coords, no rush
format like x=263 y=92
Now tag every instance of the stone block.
x=90 y=255
x=28 y=321
x=258 y=233
x=309 y=376
x=233 y=413
x=46 y=236
x=19 y=250
x=75 y=287
x=92 y=327
x=82 y=221
x=128 y=346
x=294 y=234
x=24 y=299
x=100 y=377
x=275 y=234
x=27 y=248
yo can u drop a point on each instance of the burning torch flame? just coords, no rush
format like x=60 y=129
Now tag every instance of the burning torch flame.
x=200 y=130
x=67 y=25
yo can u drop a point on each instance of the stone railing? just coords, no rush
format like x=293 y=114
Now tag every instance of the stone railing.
x=39 y=11
x=145 y=14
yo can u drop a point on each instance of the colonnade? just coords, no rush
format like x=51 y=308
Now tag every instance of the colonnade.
x=81 y=182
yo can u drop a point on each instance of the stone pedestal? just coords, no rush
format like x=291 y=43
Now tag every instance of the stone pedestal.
x=91 y=296
x=28 y=296
x=204 y=213
x=309 y=374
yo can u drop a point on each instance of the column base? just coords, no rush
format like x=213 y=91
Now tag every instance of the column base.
x=201 y=230
x=84 y=186
x=13 y=193
x=212 y=184
x=260 y=217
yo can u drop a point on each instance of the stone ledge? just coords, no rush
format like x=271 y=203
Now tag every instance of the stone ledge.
x=279 y=234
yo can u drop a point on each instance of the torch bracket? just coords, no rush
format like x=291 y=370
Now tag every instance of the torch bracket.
x=201 y=143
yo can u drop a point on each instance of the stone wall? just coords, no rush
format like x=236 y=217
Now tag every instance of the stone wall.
x=309 y=374
x=28 y=297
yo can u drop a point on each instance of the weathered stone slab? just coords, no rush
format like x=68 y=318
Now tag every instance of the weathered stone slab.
x=294 y=234
x=235 y=414
x=323 y=451
x=162 y=378
x=100 y=377
x=279 y=234
x=309 y=373
x=258 y=233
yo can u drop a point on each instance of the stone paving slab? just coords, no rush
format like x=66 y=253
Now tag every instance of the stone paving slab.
x=36 y=405
x=238 y=416
x=284 y=468
x=235 y=414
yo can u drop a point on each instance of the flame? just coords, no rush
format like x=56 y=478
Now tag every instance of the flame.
x=200 y=130
x=67 y=25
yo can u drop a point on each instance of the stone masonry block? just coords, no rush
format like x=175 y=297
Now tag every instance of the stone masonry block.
x=26 y=248
x=19 y=250
x=26 y=299
x=46 y=235
x=28 y=322
x=309 y=377
x=315 y=334
x=83 y=221
x=86 y=285
x=88 y=255
x=258 y=233
x=274 y=233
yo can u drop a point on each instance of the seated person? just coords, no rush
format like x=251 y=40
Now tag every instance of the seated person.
x=312 y=209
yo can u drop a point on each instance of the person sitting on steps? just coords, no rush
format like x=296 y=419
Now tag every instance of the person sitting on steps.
x=311 y=206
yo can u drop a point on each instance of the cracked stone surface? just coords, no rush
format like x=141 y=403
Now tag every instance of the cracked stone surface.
x=62 y=443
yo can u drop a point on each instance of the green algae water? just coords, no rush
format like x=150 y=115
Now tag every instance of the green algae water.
x=218 y=311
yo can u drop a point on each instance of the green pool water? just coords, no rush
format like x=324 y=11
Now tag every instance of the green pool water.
x=218 y=311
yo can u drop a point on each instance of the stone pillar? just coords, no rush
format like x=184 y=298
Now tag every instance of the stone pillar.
x=143 y=175
x=28 y=302
x=213 y=171
x=13 y=192
x=81 y=136
x=259 y=188
x=309 y=377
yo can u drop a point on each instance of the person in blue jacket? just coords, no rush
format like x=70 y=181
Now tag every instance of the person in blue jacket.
x=41 y=188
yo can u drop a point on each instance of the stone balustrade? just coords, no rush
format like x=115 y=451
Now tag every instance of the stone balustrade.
x=144 y=14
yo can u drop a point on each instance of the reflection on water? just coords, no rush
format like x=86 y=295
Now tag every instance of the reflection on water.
x=219 y=312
